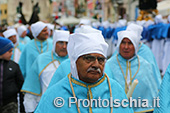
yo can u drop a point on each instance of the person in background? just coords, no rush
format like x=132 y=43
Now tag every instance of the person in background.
x=127 y=65
x=22 y=32
x=35 y=47
x=42 y=70
x=12 y=35
x=11 y=78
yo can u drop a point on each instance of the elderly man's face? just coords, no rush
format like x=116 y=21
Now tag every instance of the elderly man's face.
x=13 y=39
x=126 y=49
x=89 y=68
x=43 y=34
x=61 y=48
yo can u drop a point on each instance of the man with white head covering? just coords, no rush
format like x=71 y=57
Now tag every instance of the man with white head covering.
x=35 y=47
x=86 y=81
x=43 y=69
x=22 y=32
x=12 y=35
x=127 y=66
x=145 y=52
x=64 y=69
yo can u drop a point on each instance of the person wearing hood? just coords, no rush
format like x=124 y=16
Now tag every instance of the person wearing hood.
x=43 y=69
x=64 y=69
x=87 y=79
x=12 y=35
x=126 y=66
x=145 y=52
x=22 y=32
x=35 y=47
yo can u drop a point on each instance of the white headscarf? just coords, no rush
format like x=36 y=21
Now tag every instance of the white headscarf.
x=59 y=35
x=21 y=29
x=85 y=22
x=131 y=35
x=136 y=28
x=158 y=19
x=87 y=29
x=121 y=23
x=11 y=32
x=37 y=27
x=148 y=23
x=105 y=24
x=85 y=43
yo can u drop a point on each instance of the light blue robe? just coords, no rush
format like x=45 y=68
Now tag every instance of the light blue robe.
x=24 y=40
x=16 y=52
x=164 y=94
x=145 y=52
x=62 y=71
x=30 y=53
x=146 y=87
x=32 y=82
x=82 y=91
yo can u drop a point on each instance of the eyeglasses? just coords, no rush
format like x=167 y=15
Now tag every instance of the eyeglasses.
x=90 y=58
x=61 y=43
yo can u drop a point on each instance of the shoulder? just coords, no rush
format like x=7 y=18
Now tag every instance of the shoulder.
x=168 y=69
x=143 y=61
x=11 y=62
x=29 y=45
x=61 y=87
x=65 y=62
x=45 y=54
x=116 y=87
x=111 y=59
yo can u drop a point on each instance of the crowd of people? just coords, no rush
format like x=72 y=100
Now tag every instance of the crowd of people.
x=96 y=61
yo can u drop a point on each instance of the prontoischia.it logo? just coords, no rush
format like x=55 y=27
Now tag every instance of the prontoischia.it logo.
x=59 y=102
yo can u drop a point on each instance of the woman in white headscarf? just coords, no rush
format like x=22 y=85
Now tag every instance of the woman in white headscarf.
x=126 y=66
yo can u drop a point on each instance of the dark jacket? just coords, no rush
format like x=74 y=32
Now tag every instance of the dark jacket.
x=12 y=81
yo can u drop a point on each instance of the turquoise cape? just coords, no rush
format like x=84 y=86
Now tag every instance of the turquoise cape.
x=24 y=40
x=146 y=87
x=62 y=71
x=32 y=83
x=20 y=46
x=164 y=94
x=31 y=52
x=82 y=91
